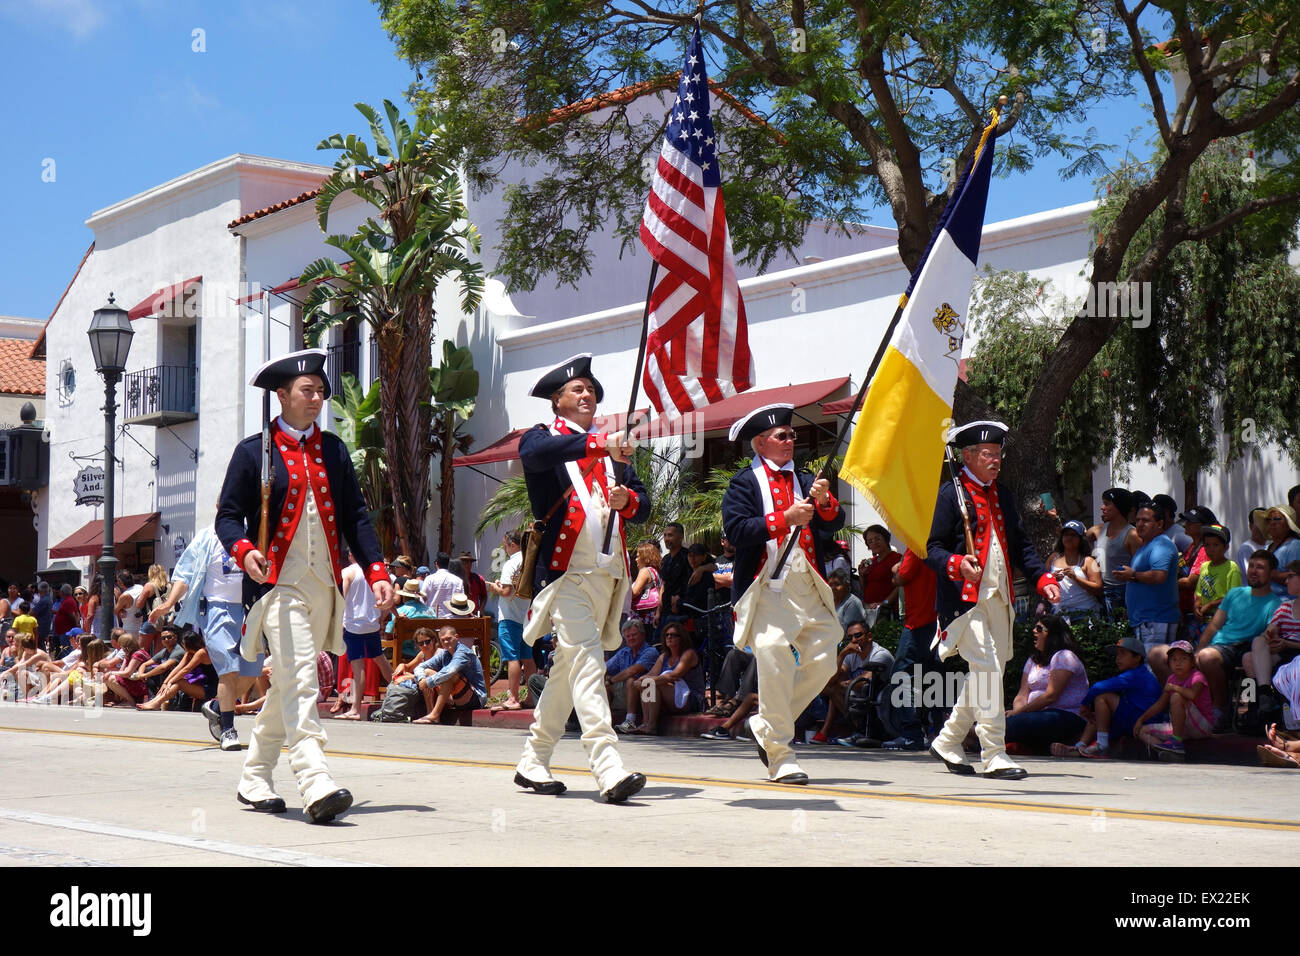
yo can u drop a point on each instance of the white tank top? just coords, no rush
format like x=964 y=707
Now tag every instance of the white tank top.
x=360 y=615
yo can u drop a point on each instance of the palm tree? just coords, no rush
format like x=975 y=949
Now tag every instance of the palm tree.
x=454 y=387
x=394 y=261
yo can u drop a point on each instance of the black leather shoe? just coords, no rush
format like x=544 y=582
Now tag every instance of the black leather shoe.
x=962 y=769
x=551 y=788
x=269 y=805
x=625 y=788
x=329 y=806
x=798 y=778
x=1007 y=773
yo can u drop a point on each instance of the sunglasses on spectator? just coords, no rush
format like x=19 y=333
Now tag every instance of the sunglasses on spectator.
x=1039 y=627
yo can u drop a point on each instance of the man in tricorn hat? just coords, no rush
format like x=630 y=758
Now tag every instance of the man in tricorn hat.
x=292 y=592
x=975 y=598
x=790 y=621
x=575 y=478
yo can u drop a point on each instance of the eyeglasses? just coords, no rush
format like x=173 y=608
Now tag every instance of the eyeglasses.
x=425 y=643
x=672 y=633
x=782 y=436
x=1039 y=627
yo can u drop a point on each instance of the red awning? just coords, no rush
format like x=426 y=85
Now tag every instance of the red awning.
x=713 y=418
x=842 y=406
x=506 y=448
x=162 y=299
x=88 y=540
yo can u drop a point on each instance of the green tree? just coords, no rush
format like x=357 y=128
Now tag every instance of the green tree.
x=417 y=237
x=1207 y=359
x=454 y=387
x=835 y=107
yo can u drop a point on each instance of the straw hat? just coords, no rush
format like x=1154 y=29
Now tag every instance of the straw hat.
x=459 y=605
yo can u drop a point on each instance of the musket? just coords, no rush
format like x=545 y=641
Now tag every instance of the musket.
x=263 y=525
x=961 y=500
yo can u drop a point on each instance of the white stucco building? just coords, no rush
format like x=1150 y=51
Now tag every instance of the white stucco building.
x=184 y=256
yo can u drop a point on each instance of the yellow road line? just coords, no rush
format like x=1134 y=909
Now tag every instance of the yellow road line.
x=979 y=803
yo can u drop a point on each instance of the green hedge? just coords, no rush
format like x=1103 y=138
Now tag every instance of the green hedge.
x=1093 y=634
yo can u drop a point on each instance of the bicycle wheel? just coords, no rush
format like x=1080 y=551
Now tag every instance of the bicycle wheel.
x=496 y=665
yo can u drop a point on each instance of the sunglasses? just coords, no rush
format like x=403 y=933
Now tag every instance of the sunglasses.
x=425 y=643
x=783 y=436
x=1039 y=627
x=672 y=633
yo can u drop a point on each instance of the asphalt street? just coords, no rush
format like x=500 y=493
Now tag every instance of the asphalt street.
x=122 y=788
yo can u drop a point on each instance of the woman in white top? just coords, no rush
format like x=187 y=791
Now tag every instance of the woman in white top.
x=1078 y=574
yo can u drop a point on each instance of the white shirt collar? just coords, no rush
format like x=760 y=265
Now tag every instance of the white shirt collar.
x=295 y=433
x=576 y=428
x=772 y=466
x=983 y=484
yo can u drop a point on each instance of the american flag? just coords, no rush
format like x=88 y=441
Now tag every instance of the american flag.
x=697 y=347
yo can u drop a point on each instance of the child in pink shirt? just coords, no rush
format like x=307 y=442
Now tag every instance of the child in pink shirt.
x=1187 y=699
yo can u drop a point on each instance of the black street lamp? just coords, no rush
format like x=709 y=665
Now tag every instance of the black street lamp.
x=110 y=340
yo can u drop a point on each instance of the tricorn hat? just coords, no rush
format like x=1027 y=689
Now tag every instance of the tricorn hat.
x=579 y=366
x=760 y=420
x=977 y=433
x=279 y=372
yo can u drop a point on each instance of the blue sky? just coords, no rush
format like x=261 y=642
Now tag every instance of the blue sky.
x=114 y=93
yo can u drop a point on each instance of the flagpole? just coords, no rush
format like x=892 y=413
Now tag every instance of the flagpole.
x=875 y=361
x=636 y=384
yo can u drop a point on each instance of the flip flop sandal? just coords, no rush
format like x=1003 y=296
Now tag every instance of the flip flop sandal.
x=1270 y=759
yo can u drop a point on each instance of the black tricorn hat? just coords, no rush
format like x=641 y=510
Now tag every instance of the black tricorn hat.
x=977 y=433
x=760 y=420
x=579 y=366
x=278 y=373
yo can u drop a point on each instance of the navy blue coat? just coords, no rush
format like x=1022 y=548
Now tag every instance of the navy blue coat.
x=544 y=457
x=240 y=507
x=744 y=522
x=948 y=537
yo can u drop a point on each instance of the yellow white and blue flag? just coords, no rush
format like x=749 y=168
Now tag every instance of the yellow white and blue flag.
x=897 y=449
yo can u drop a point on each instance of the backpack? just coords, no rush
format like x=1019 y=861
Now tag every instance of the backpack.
x=401 y=705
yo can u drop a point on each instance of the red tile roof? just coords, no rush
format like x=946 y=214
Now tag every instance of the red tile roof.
x=295 y=201
x=19 y=374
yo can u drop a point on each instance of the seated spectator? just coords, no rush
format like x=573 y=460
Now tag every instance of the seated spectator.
x=194 y=677
x=121 y=684
x=737 y=680
x=876 y=572
x=1076 y=572
x=860 y=654
x=732 y=727
x=1186 y=697
x=1113 y=706
x=675 y=685
x=847 y=606
x=1278 y=645
x=26 y=669
x=628 y=663
x=61 y=667
x=1283 y=544
x=410 y=605
x=115 y=657
x=1151 y=586
x=426 y=643
x=647 y=586
x=1053 y=686
x=1217 y=575
x=1243 y=615
x=452 y=677
x=1279 y=751
x=67 y=687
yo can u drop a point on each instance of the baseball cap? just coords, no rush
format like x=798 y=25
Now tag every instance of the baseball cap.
x=1183 y=646
x=1217 y=531
x=1075 y=526
x=1129 y=643
x=1198 y=515
x=422 y=570
x=148 y=627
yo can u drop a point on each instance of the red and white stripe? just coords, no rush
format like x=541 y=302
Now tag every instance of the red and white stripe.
x=697 y=348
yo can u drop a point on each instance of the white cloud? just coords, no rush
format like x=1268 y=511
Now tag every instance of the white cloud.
x=81 y=18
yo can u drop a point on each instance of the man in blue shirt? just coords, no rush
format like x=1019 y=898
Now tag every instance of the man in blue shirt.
x=1113 y=706
x=629 y=662
x=1151 y=592
x=1243 y=614
x=452 y=676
